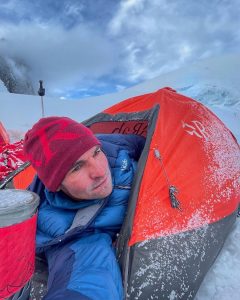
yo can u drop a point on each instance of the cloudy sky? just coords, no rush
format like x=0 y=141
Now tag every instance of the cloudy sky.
x=91 y=47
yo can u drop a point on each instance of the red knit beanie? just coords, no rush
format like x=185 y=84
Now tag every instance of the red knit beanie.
x=53 y=145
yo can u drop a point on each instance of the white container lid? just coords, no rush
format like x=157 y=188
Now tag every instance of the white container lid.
x=17 y=206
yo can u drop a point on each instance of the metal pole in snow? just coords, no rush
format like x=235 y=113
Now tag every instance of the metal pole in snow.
x=41 y=92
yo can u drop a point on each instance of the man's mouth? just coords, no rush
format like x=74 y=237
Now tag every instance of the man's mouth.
x=101 y=183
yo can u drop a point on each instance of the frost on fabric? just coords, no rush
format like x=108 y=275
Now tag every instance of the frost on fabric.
x=223 y=171
x=38 y=292
x=153 y=227
x=172 y=267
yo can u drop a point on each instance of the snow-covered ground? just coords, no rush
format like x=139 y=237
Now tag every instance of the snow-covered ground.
x=2 y=87
x=213 y=82
x=222 y=280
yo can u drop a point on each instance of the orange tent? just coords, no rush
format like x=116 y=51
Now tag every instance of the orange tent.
x=185 y=196
x=4 y=137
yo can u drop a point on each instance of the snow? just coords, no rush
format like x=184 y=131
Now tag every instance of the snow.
x=222 y=281
x=214 y=82
x=2 y=87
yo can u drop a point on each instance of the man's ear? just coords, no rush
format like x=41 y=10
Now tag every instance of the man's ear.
x=63 y=189
x=58 y=189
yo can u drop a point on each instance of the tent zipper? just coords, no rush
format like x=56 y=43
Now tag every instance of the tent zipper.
x=175 y=203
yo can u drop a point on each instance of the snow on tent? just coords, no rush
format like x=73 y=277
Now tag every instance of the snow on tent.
x=12 y=163
x=185 y=195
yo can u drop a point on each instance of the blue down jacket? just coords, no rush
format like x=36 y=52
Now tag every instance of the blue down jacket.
x=76 y=237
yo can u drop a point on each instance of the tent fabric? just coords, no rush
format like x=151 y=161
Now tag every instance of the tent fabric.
x=15 y=171
x=11 y=157
x=4 y=137
x=187 y=185
x=173 y=266
x=23 y=179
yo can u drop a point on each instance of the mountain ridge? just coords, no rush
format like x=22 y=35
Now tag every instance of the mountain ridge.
x=14 y=74
x=212 y=82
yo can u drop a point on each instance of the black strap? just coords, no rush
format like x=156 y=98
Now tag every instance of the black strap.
x=10 y=176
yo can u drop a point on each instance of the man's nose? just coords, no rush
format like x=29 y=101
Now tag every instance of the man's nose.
x=96 y=169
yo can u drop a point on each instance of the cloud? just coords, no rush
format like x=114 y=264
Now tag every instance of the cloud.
x=104 y=44
x=159 y=35
x=124 y=13
x=59 y=56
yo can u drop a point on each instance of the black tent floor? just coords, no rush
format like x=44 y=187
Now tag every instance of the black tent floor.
x=39 y=280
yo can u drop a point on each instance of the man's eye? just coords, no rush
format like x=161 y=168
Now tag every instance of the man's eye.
x=76 y=168
x=99 y=150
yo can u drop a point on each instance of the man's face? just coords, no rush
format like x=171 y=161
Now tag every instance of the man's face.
x=89 y=177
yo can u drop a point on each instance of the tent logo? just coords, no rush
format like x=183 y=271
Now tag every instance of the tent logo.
x=196 y=128
x=139 y=128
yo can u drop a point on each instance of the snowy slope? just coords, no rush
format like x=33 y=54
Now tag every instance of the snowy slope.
x=222 y=280
x=2 y=87
x=213 y=82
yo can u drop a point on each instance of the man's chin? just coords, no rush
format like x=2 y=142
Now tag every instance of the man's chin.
x=106 y=193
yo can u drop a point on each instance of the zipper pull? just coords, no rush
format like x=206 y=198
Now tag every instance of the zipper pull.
x=172 y=189
x=174 y=201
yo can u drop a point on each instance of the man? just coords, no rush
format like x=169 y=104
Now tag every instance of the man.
x=84 y=184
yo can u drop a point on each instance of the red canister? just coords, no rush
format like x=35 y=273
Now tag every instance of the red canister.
x=18 y=219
